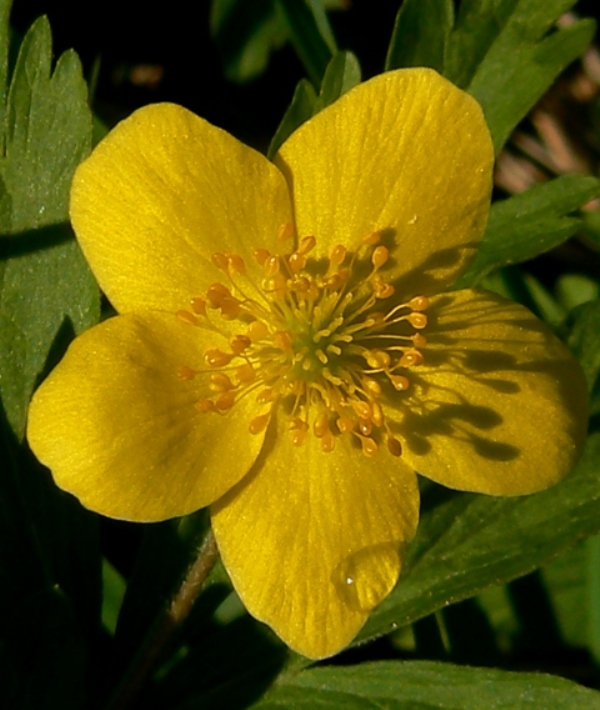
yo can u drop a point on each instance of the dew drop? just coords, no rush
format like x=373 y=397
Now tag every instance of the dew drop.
x=366 y=577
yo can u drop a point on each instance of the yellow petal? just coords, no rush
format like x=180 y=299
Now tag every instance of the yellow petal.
x=500 y=404
x=313 y=541
x=117 y=424
x=408 y=153
x=162 y=193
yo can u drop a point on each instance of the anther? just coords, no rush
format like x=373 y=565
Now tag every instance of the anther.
x=239 y=343
x=337 y=255
x=220 y=260
x=236 y=263
x=365 y=426
x=411 y=358
x=216 y=293
x=220 y=382
x=230 y=308
x=394 y=446
x=372 y=238
x=299 y=429
x=265 y=396
x=187 y=317
x=419 y=303
x=214 y=357
x=286 y=231
x=321 y=425
x=399 y=382
x=362 y=409
x=379 y=256
x=261 y=255
x=245 y=373
x=381 y=289
x=345 y=424
x=205 y=405
x=419 y=340
x=257 y=330
x=417 y=320
x=259 y=423
x=306 y=244
x=296 y=262
x=369 y=446
x=186 y=373
x=271 y=265
x=225 y=401
x=198 y=305
x=328 y=442
x=283 y=340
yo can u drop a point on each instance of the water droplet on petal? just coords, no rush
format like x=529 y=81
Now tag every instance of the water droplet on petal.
x=366 y=577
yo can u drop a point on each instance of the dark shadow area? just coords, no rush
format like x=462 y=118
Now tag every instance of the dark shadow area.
x=24 y=243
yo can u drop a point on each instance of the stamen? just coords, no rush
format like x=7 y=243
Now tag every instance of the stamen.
x=214 y=357
x=259 y=423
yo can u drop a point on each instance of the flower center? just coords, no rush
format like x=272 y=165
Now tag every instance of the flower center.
x=323 y=338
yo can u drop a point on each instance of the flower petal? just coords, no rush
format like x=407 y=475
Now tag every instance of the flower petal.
x=313 y=541
x=499 y=405
x=162 y=193
x=407 y=153
x=117 y=425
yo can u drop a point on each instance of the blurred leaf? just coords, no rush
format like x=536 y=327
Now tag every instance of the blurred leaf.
x=593 y=595
x=584 y=341
x=46 y=288
x=310 y=35
x=574 y=290
x=467 y=543
x=300 y=110
x=506 y=54
x=113 y=591
x=420 y=34
x=245 y=35
x=528 y=224
x=421 y=685
x=342 y=73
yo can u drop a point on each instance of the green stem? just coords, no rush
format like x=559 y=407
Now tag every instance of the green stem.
x=167 y=624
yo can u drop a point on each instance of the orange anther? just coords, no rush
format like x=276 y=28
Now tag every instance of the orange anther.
x=239 y=343
x=261 y=255
x=417 y=320
x=187 y=317
x=186 y=373
x=345 y=424
x=221 y=382
x=214 y=357
x=381 y=289
x=296 y=262
x=419 y=340
x=321 y=425
x=410 y=358
x=259 y=423
x=198 y=305
x=372 y=238
x=419 y=303
x=306 y=245
x=338 y=279
x=216 y=293
x=286 y=231
x=379 y=256
x=271 y=265
x=283 y=340
x=377 y=415
x=369 y=446
x=337 y=255
x=394 y=446
x=399 y=382
x=230 y=308
x=220 y=260
x=328 y=442
x=362 y=409
x=225 y=401
x=371 y=385
x=265 y=396
x=365 y=426
x=205 y=405
x=236 y=263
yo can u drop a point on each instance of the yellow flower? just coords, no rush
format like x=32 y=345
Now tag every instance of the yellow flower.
x=283 y=353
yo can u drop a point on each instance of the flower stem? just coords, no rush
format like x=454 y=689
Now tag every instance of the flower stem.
x=161 y=632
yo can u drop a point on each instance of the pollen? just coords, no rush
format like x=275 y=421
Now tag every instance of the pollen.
x=324 y=342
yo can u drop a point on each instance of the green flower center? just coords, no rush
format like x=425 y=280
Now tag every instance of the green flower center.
x=314 y=339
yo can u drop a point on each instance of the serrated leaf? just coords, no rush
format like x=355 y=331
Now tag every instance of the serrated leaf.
x=46 y=288
x=468 y=543
x=528 y=224
x=300 y=110
x=420 y=34
x=421 y=685
x=506 y=55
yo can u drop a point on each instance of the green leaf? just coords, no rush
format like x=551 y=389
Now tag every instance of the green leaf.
x=245 y=35
x=300 y=110
x=467 y=543
x=422 y=685
x=310 y=35
x=506 y=54
x=46 y=288
x=420 y=34
x=584 y=340
x=342 y=73
x=528 y=224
